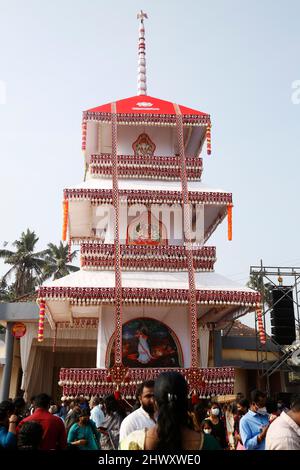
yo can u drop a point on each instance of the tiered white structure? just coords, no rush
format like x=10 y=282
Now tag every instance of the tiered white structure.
x=139 y=281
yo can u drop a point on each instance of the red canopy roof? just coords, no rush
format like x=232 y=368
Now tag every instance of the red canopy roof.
x=145 y=104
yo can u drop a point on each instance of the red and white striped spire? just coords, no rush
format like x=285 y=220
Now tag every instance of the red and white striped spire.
x=142 y=79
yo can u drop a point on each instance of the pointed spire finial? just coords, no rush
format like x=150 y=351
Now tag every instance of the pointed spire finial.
x=142 y=79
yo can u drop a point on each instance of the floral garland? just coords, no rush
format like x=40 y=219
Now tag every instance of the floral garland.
x=152 y=119
x=88 y=382
x=146 y=264
x=134 y=196
x=261 y=330
x=167 y=258
x=65 y=219
x=131 y=166
x=99 y=295
x=41 y=321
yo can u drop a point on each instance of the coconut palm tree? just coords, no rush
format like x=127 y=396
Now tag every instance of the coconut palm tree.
x=26 y=264
x=57 y=261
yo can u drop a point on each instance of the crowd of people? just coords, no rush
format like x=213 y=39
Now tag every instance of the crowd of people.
x=163 y=418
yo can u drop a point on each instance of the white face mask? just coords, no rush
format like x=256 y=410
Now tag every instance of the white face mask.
x=207 y=431
x=262 y=411
x=215 y=411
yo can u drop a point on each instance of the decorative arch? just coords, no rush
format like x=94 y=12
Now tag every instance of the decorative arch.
x=143 y=146
x=147 y=342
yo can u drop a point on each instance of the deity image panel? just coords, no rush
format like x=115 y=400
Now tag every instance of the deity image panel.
x=147 y=343
x=143 y=146
x=146 y=229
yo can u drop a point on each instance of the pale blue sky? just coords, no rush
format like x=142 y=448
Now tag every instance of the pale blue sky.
x=236 y=60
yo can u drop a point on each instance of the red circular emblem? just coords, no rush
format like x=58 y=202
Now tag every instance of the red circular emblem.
x=18 y=330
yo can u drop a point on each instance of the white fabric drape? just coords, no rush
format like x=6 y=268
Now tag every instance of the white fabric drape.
x=204 y=345
x=25 y=347
x=101 y=348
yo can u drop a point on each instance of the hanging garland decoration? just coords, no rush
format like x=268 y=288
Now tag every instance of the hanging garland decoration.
x=41 y=321
x=65 y=219
x=133 y=196
x=96 y=256
x=105 y=295
x=118 y=276
x=208 y=139
x=83 y=135
x=204 y=383
x=229 y=221
x=156 y=167
x=148 y=119
x=261 y=330
x=187 y=239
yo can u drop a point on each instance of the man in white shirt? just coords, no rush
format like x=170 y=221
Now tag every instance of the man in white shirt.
x=284 y=432
x=97 y=414
x=143 y=417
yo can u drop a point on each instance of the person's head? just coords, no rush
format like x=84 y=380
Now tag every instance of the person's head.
x=200 y=412
x=42 y=401
x=84 y=417
x=53 y=409
x=242 y=406
x=280 y=405
x=295 y=409
x=6 y=410
x=271 y=406
x=30 y=436
x=94 y=402
x=258 y=402
x=206 y=426
x=143 y=331
x=145 y=396
x=19 y=404
x=171 y=401
x=215 y=410
x=112 y=405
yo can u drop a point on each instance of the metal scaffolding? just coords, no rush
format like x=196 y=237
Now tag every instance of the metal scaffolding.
x=265 y=278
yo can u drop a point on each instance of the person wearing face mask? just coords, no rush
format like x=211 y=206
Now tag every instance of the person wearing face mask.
x=255 y=423
x=218 y=426
x=210 y=442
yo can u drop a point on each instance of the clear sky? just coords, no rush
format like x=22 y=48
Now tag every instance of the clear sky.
x=235 y=59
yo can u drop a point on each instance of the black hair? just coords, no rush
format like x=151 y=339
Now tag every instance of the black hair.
x=19 y=403
x=271 y=406
x=244 y=403
x=140 y=388
x=171 y=396
x=113 y=406
x=208 y=422
x=30 y=435
x=6 y=409
x=295 y=403
x=200 y=412
x=84 y=412
x=256 y=395
x=42 y=401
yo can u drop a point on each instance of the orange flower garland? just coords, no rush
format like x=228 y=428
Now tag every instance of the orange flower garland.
x=261 y=331
x=229 y=219
x=41 y=321
x=208 y=139
x=65 y=219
